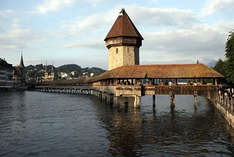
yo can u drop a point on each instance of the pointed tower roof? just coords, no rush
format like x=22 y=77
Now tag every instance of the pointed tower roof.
x=123 y=27
x=21 y=61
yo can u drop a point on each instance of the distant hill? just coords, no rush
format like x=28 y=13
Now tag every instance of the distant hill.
x=69 y=68
x=94 y=70
x=211 y=63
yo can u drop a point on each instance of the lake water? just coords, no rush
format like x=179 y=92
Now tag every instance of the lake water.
x=59 y=125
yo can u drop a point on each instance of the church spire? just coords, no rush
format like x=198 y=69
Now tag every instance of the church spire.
x=21 y=60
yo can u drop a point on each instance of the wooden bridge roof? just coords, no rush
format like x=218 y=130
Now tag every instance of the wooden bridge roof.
x=161 y=71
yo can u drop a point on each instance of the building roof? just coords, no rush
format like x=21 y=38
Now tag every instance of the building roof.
x=162 y=71
x=21 y=61
x=5 y=65
x=123 y=27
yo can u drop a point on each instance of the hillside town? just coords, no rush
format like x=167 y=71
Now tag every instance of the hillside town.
x=18 y=77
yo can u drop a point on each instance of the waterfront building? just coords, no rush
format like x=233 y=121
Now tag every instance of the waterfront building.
x=19 y=74
x=64 y=76
x=74 y=74
x=6 y=74
x=85 y=74
x=91 y=74
x=50 y=75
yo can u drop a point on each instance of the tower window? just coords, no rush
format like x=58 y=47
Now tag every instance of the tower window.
x=117 y=50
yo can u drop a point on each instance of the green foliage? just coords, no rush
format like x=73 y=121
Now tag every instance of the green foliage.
x=229 y=70
x=230 y=46
x=226 y=67
x=219 y=67
x=229 y=63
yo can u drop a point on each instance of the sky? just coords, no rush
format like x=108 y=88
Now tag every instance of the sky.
x=72 y=31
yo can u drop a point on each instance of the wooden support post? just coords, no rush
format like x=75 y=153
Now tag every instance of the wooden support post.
x=172 y=100
x=137 y=101
x=153 y=101
x=195 y=99
x=115 y=101
x=107 y=99
x=111 y=99
x=104 y=98
x=100 y=96
x=208 y=95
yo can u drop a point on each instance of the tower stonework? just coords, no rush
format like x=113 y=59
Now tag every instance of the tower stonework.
x=123 y=42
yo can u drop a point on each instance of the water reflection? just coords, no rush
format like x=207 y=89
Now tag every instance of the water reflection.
x=44 y=124
x=186 y=131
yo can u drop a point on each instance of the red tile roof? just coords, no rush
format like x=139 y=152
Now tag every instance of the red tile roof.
x=123 y=27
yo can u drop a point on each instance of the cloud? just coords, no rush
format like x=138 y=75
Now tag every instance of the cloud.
x=100 y=23
x=183 y=45
x=214 y=6
x=202 y=41
x=32 y=60
x=162 y=16
x=171 y=35
x=6 y=12
x=12 y=35
x=16 y=32
x=93 y=44
x=4 y=16
x=94 y=23
x=17 y=37
x=55 y=5
x=190 y=40
x=196 y=39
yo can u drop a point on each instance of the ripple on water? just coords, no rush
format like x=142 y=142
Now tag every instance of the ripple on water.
x=45 y=124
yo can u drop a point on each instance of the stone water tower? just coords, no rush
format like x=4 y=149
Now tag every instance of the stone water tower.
x=123 y=42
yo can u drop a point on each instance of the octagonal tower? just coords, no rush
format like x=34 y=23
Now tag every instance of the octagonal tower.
x=123 y=42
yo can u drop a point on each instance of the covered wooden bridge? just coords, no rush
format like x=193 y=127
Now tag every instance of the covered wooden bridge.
x=157 y=75
x=172 y=79
x=131 y=82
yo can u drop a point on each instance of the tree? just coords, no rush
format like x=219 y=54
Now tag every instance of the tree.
x=229 y=63
x=219 y=67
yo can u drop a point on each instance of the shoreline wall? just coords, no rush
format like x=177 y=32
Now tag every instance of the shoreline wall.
x=224 y=103
x=226 y=114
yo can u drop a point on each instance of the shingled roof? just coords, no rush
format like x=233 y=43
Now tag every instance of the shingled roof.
x=123 y=27
x=162 y=71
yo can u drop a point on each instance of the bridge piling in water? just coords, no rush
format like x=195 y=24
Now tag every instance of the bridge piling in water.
x=195 y=99
x=172 y=100
x=119 y=95
x=137 y=101
x=153 y=101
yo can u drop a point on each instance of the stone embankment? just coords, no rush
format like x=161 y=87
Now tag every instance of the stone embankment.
x=224 y=102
